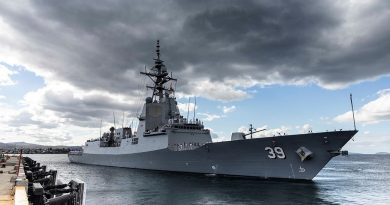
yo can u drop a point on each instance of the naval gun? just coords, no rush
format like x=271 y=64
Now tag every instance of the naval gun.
x=242 y=136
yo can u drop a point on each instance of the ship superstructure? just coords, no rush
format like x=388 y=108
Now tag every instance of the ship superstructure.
x=166 y=140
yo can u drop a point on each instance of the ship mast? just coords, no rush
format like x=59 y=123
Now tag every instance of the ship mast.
x=159 y=75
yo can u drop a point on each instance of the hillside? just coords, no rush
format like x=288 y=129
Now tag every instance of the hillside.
x=24 y=145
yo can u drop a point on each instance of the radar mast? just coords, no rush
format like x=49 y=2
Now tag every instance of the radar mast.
x=159 y=76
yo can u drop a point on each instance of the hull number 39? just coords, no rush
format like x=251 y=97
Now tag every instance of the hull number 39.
x=275 y=152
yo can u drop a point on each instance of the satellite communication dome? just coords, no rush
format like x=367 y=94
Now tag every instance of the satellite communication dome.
x=149 y=100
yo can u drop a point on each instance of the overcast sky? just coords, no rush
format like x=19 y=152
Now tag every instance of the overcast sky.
x=285 y=65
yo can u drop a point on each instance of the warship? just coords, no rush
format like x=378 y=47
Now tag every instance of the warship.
x=167 y=141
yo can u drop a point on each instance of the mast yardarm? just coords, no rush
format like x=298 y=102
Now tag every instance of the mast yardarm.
x=159 y=75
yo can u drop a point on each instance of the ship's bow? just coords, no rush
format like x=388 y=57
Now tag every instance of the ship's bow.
x=288 y=157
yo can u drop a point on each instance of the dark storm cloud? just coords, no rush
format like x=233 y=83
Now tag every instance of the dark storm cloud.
x=265 y=36
x=103 y=45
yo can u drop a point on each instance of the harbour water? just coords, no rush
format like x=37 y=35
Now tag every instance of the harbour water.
x=353 y=179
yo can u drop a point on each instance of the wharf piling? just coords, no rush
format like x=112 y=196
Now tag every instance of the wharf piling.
x=23 y=181
x=43 y=190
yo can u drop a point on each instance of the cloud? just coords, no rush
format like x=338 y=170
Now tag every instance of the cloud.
x=208 y=45
x=226 y=109
x=5 y=76
x=306 y=128
x=222 y=91
x=79 y=107
x=59 y=108
x=375 y=111
x=369 y=143
x=210 y=117
x=23 y=125
x=25 y=118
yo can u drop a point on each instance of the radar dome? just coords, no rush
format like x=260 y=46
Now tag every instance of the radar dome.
x=149 y=100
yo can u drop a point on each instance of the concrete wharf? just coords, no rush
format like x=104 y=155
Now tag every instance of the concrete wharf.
x=13 y=182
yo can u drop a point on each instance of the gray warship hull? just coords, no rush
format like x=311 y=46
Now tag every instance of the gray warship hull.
x=250 y=157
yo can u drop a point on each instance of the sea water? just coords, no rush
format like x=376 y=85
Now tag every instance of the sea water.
x=353 y=179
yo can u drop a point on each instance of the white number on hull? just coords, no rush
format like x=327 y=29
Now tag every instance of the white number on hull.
x=275 y=152
x=280 y=153
x=271 y=153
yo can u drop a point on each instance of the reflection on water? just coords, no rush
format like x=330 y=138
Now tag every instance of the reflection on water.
x=356 y=179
